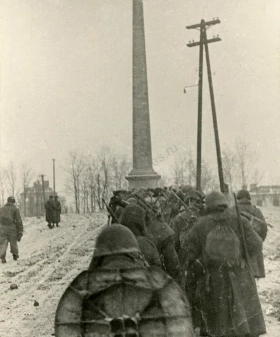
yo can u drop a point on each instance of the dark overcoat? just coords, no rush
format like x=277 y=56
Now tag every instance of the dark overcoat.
x=50 y=211
x=227 y=296
x=57 y=211
x=258 y=259
x=163 y=238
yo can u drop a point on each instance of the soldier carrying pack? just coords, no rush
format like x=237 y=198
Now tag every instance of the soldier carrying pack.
x=118 y=296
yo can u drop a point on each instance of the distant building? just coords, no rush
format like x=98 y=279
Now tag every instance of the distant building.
x=265 y=195
x=32 y=200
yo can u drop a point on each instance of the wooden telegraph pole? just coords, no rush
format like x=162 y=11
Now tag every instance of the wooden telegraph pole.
x=43 y=190
x=53 y=176
x=202 y=26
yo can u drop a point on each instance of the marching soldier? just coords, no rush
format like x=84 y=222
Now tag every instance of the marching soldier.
x=57 y=210
x=11 y=229
x=164 y=239
x=228 y=300
x=256 y=218
x=50 y=212
x=187 y=217
x=119 y=296
x=133 y=217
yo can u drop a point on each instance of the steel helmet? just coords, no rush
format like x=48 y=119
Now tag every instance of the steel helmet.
x=243 y=194
x=133 y=217
x=187 y=188
x=11 y=199
x=116 y=239
x=193 y=195
x=132 y=201
x=214 y=199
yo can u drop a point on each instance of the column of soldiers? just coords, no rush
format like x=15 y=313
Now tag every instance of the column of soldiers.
x=212 y=251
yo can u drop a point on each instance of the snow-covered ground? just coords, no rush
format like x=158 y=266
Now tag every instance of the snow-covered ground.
x=50 y=259
x=269 y=288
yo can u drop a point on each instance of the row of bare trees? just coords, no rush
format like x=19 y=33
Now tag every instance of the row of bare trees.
x=183 y=171
x=91 y=177
x=95 y=176
x=239 y=167
x=14 y=179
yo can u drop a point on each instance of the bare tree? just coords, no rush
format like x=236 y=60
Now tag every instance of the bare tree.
x=26 y=176
x=94 y=177
x=229 y=167
x=11 y=176
x=209 y=181
x=120 y=167
x=75 y=171
x=181 y=169
x=257 y=176
x=105 y=158
x=2 y=186
x=245 y=159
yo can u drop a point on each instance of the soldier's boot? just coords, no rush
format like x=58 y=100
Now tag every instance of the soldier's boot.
x=57 y=225
x=3 y=248
x=49 y=225
x=14 y=245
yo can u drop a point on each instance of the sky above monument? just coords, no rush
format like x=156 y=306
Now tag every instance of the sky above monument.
x=66 y=79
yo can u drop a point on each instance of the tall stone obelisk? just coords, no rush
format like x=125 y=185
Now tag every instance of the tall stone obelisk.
x=142 y=174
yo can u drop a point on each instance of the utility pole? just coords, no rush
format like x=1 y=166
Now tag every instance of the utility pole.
x=24 y=198
x=43 y=190
x=37 y=198
x=199 y=116
x=214 y=115
x=53 y=176
x=202 y=26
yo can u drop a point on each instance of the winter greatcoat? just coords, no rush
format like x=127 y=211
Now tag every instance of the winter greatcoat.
x=133 y=217
x=11 y=229
x=57 y=211
x=184 y=221
x=147 y=302
x=163 y=238
x=50 y=211
x=245 y=206
x=227 y=296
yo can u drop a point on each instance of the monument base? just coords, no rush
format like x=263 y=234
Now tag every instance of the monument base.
x=143 y=178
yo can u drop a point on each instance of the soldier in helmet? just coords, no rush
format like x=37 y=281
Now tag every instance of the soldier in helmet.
x=133 y=217
x=187 y=216
x=11 y=229
x=228 y=301
x=50 y=212
x=117 y=204
x=57 y=210
x=256 y=218
x=163 y=238
x=119 y=296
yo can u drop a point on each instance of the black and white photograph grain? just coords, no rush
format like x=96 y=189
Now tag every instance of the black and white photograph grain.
x=139 y=168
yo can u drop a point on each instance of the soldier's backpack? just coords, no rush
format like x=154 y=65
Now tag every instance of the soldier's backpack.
x=123 y=303
x=6 y=216
x=223 y=246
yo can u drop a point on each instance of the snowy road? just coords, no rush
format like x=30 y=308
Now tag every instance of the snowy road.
x=50 y=259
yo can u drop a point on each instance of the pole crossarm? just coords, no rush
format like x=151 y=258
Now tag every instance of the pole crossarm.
x=198 y=43
x=204 y=24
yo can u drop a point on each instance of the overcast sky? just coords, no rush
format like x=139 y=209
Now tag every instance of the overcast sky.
x=66 y=78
